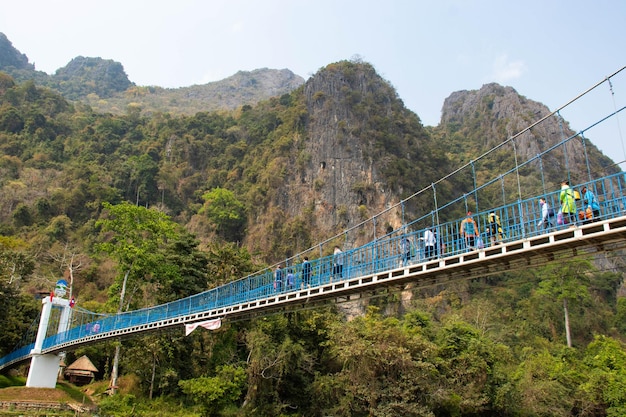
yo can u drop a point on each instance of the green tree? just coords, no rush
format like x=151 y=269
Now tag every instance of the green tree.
x=605 y=388
x=215 y=393
x=18 y=310
x=386 y=369
x=228 y=262
x=134 y=237
x=467 y=363
x=16 y=263
x=566 y=282
x=142 y=171
x=544 y=385
x=278 y=366
x=22 y=215
x=226 y=213
x=191 y=275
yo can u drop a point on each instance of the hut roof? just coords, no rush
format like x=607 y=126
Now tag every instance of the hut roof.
x=82 y=364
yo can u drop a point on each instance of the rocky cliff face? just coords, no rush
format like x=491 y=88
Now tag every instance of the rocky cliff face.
x=90 y=80
x=346 y=163
x=11 y=58
x=478 y=120
x=361 y=152
x=83 y=76
x=244 y=87
x=338 y=157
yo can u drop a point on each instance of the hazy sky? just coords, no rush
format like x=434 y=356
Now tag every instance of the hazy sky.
x=548 y=51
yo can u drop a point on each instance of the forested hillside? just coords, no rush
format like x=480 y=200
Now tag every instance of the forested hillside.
x=168 y=205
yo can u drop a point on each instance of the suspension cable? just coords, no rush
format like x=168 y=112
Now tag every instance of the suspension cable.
x=475 y=192
x=582 y=138
x=436 y=206
x=543 y=179
x=619 y=130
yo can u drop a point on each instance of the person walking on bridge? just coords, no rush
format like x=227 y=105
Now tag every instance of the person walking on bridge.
x=495 y=229
x=430 y=244
x=306 y=272
x=469 y=231
x=405 y=250
x=338 y=263
x=278 y=278
x=568 y=204
x=546 y=211
x=590 y=202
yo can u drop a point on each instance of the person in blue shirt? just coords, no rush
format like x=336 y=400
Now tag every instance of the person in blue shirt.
x=291 y=279
x=590 y=201
x=405 y=249
x=306 y=272
x=278 y=278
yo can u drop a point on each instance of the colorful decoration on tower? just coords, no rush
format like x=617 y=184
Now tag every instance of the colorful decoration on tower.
x=60 y=288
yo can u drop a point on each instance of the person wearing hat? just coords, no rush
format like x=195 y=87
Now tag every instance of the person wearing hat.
x=568 y=204
x=469 y=231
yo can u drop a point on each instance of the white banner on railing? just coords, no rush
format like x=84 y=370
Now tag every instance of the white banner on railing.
x=209 y=325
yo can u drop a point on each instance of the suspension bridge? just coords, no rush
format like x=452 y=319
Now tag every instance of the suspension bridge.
x=436 y=248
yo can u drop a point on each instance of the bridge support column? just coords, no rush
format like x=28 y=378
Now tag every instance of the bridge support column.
x=44 y=368
x=44 y=371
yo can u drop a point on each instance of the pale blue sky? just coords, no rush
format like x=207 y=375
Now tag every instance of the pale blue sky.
x=548 y=51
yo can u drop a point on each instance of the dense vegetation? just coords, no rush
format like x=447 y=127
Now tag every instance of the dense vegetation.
x=138 y=210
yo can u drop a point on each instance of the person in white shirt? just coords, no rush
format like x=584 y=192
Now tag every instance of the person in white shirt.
x=430 y=251
x=337 y=263
x=544 y=223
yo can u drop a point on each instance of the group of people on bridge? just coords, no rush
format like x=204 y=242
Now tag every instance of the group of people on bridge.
x=432 y=244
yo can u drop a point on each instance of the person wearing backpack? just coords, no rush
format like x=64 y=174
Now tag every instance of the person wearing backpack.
x=546 y=213
x=291 y=279
x=469 y=231
x=568 y=204
x=495 y=229
x=590 y=202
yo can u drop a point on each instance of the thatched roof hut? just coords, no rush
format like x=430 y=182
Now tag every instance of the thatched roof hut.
x=82 y=371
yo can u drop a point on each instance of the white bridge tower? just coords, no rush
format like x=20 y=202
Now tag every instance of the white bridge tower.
x=44 y=368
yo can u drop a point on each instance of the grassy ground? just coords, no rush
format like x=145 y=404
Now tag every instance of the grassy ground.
x=14 y=389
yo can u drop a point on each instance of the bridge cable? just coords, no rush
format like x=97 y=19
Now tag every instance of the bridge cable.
x=543 y=179
x=619 y=130
x=436 y=206
x=564 y=143
x=582 y=138
x=519 y=187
